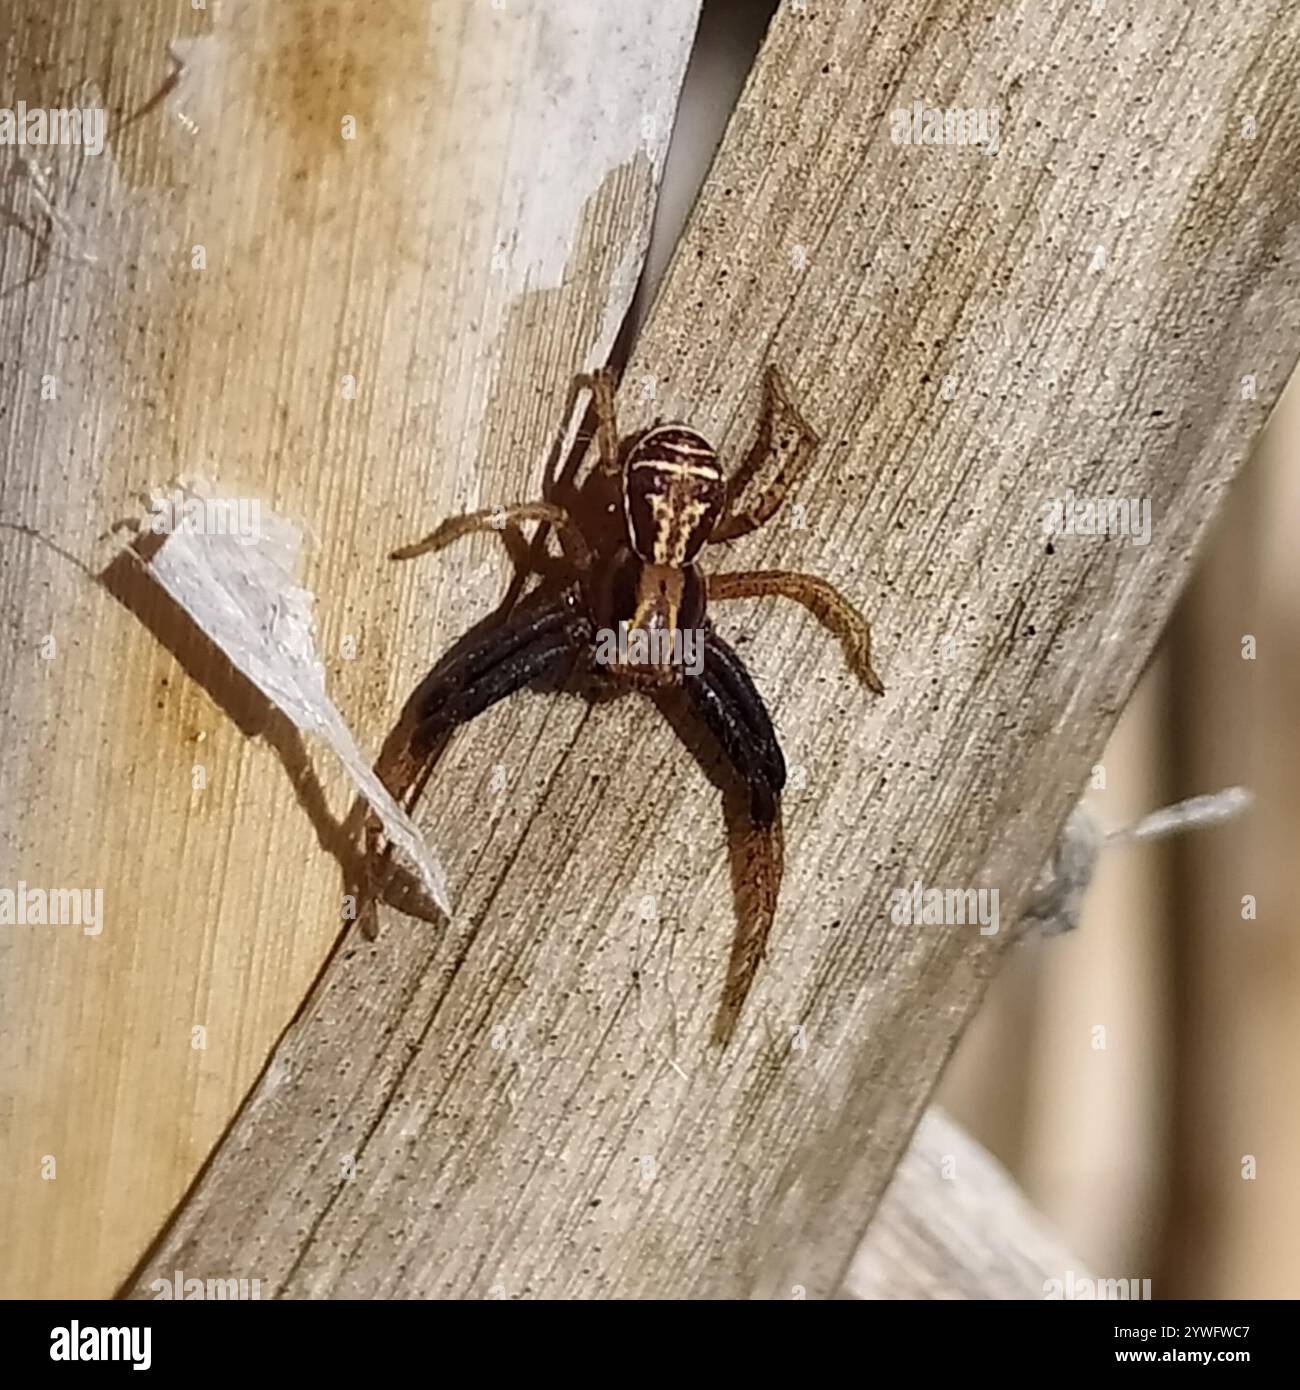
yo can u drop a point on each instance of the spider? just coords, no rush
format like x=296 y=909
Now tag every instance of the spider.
x=639 y=579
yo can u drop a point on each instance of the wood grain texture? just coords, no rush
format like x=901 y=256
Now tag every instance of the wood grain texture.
x=378 y=336
x=952 y=1224
x=526 y=1104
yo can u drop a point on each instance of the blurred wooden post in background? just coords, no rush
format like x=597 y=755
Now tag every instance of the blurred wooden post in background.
x=952 y=1224
x=1232 y=1220
x=525 y=1103
x=1168 y=1151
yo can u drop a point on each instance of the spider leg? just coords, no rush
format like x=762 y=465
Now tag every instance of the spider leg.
x=757 y=862
x=725 y=697
x=788 y=444
x=601 y=384
x=824 y=601
x=535 y=642
x=732 y=679
x=498 y=519
x=399 y=767
x=459 y=696
x=405 y=774
x=732 y=724
x=474 y=656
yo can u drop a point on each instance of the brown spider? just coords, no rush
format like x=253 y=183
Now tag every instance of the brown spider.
x=640 y=581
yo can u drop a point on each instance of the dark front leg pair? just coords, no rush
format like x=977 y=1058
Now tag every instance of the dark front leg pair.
x=535 y=643
x=538 y=641
x=726 y=699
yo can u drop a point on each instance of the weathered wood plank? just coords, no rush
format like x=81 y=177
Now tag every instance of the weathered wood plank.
x=378 y=334
x=526 y=1103
x=953 y=1224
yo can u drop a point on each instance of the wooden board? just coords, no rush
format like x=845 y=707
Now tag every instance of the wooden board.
x=380 y=332
x=953 y=1225
x=526 y=1104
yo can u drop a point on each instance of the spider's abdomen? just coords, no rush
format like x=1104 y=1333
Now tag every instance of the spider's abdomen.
x=673 y=494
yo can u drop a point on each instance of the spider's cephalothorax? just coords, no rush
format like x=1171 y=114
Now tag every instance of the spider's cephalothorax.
x=635 y=611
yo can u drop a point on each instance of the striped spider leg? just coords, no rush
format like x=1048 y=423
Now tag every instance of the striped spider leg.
x=541 y=640
x=726 y=699
x=601 y=385
x=789 y=447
